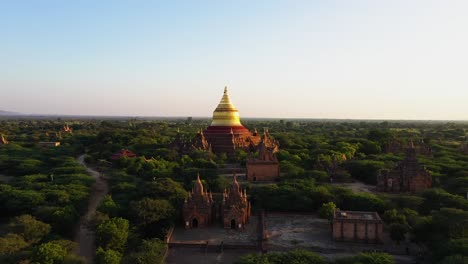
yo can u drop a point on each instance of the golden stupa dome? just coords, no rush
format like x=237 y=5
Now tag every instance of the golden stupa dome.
x=226 y=113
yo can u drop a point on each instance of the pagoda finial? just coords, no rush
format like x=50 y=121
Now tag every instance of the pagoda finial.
x=225 y=90
x=198 y=177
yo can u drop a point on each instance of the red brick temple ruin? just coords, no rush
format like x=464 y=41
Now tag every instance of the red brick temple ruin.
x=3 y=140
x=408 y=176
x=265 y=167
x=201 y=210
x=356 y=226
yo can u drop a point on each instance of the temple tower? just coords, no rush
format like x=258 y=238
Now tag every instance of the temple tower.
x=226 y=133
x=266 y=166
x=236 y=208
x=198 y=208
x=408 y=176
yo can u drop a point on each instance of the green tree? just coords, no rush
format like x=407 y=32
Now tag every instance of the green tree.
x=291 y=257
x=108 y=256
x=11 y=243
x=31 y=229
x=148 y=211
x=365 y=170
x=454 y=259
x=108 y=206
x=166 y=188
x=150 y=252
x=392 y=216
x=112 y=234
x=49 y=253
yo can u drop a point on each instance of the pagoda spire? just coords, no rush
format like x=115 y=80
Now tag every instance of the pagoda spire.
x=198 y=188
x=226 y=113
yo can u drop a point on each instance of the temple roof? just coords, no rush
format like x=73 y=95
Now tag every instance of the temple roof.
x=226 y=113
x=198 y=188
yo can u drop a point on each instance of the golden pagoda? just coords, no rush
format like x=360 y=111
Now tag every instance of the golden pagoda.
x=226 y=133
x=226 y=113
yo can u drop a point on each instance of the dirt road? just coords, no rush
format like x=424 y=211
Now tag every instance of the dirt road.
x=85 y=236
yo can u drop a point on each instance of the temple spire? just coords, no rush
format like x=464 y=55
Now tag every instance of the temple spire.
x=198 y=188
x=226 y=113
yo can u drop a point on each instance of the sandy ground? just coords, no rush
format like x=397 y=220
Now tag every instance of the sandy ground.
x=216 y=234
x=85 y=236
x=200 y=256
x=289 y=231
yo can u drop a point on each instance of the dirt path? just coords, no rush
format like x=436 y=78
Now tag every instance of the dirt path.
x=85 y=236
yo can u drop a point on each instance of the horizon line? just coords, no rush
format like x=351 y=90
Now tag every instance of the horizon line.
x=13 y=115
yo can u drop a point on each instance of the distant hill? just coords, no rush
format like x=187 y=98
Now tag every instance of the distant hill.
x=8 y=113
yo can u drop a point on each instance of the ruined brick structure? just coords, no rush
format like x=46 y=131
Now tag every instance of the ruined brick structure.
x=336 y=171
x=123 y=153
x=198 y=208
x=200 y=142
x=393 y=146
x=67 y=129
x=201 y=210
x=266 y=166
x=464 y=147
x=397 y=146
x=356 y=226
x=408 y=176
x=236 y=208
x=3 y=140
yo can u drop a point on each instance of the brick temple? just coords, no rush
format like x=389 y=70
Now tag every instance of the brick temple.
x=357 y=226
x=408 y=176
x=226 y=133
x=265 y=167
x=201 y=210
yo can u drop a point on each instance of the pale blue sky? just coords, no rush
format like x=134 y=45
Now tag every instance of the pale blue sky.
x=398 y=59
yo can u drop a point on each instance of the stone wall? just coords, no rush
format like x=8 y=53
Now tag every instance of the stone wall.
x=262 y=171
x=357 y=231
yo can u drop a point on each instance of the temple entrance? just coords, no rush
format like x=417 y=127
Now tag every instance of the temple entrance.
x=233 y=224
x=194 y=223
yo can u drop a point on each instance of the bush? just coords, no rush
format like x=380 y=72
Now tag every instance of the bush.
x=368 y=258
x=292 y=257
x=327 y=210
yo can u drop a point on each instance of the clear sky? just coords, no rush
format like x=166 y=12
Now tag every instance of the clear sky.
x=396 y=59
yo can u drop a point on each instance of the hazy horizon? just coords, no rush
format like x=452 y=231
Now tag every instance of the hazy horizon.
x=388 y=60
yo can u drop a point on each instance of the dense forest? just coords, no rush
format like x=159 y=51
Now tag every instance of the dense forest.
x=44 y=190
